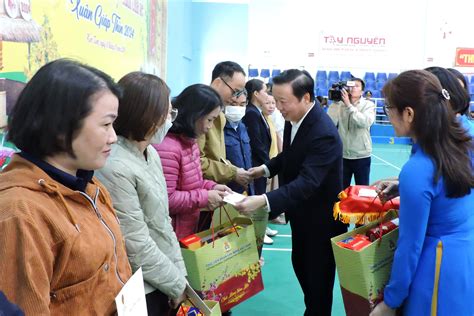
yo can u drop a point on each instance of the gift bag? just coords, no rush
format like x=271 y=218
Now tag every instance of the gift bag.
x=225 y=269
x=363 y=274
x=195 y=305
x=259 y=219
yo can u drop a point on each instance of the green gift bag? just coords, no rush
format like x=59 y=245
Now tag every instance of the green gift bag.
x=363 y=274
x=259 y=219
x=225 y=269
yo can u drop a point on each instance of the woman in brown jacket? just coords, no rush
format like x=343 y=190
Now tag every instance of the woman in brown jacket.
x=61 y=249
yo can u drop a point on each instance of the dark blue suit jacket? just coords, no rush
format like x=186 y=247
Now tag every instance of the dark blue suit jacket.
x=260 y=141
x=310 y=174
x=7 y=308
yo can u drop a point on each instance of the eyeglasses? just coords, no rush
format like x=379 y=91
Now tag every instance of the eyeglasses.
x=235 y=93
x=386 y=109
x=173 y=114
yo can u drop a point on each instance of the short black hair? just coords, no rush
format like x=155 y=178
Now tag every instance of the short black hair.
x=53 y=105
x=460 y=76
x=301 y=82
x=226 y=69
x=459 y=98
x=193 y=103
x=143 y=107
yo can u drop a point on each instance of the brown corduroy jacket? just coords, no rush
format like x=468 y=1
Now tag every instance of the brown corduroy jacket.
x=61 y=251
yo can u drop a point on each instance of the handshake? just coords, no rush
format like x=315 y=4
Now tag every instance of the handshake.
x=251 y=203
x=244 y=177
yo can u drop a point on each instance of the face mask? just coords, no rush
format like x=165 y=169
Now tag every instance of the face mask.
x=234 y=113
x=161 y=132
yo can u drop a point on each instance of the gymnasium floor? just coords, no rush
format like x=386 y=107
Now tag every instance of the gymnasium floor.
x=282 y=294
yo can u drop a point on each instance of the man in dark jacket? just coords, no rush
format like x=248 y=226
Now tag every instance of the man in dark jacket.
x=310 y=171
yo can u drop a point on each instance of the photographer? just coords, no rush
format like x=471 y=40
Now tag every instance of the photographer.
x=353 y=116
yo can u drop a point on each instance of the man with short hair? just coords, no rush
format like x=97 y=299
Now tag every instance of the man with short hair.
x=310 y=174
x=353 y=116
x=228 y=79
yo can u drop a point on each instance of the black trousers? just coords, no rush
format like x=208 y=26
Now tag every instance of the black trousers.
x=313 y=263
x=360 y=168
x=157 y=304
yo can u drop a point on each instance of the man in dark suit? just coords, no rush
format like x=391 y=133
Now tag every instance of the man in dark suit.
x=310 y=170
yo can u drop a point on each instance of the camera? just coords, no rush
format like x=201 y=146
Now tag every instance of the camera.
x=334 y=93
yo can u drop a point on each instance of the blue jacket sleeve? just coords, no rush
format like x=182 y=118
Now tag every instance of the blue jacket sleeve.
x=416 y=194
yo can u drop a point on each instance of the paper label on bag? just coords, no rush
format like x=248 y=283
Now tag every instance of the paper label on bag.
x=367 y=193
x=233 y=198
x=131 y=299
x=196 y=300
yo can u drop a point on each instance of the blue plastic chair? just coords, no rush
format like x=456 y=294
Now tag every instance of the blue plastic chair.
x=321 y=92
x=345 y=75
x=333 y=76
x=253 y=72
x=392 y=75
x=379 y=85
x=471 y=88
x=466 y=77
x=376 y=94
x=331 y=82
x=322 y=85
x=370 y=85
x=381 y=77
x=369 y=77
x=265 y=73
x=276 y=72
x=379 y=106
x=321 y=75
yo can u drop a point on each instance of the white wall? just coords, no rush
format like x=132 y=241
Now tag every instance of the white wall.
x=297 y=33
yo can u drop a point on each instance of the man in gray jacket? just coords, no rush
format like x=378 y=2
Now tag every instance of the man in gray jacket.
x=353 y=116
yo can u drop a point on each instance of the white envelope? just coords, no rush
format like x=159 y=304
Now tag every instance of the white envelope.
x=233 y=198
x=131 y=299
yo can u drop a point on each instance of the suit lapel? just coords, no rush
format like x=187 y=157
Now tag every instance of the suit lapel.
x=267 y=127
x=262 y=119
x=287 y=135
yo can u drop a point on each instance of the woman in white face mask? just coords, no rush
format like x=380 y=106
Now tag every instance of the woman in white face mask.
x=237 y=141
x=134 y=177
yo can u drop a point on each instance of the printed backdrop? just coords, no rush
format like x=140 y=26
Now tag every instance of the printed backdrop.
x=116 y=36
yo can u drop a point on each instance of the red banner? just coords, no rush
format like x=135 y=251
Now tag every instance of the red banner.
x=464 y=57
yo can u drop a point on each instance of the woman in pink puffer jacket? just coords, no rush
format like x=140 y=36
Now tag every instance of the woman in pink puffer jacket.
x=198 y=105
